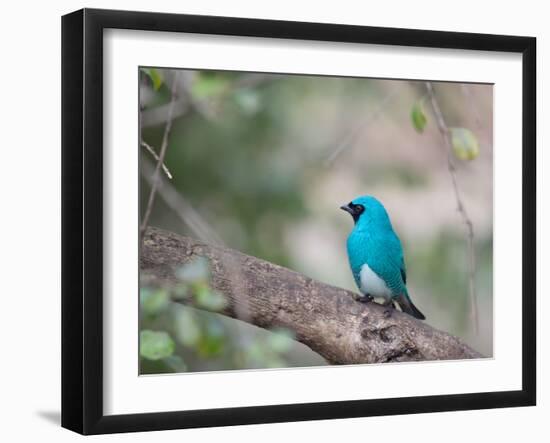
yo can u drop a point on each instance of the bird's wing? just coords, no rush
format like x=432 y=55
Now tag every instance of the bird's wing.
x=390 y=264
x=402 y=267
x=403 y=271
x=401 y=260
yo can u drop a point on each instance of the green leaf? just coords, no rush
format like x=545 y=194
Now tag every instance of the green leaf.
x=418 y=116
x=155 y=345
x=154 y=302
x=208 y=299
x=156 y=77
x=206 y=85
x=186 y=327
x=197 y=271
x=465 y=144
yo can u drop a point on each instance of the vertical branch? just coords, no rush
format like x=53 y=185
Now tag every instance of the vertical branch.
x=161 y=156
x=445 y=133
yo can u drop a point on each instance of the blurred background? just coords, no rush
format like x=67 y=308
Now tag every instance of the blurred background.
x=262 y=162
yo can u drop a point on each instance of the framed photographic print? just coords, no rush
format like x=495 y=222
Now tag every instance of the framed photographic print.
x=269 y=221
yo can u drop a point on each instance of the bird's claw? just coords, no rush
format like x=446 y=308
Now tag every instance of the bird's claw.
x=390 y=307
x=366 y=299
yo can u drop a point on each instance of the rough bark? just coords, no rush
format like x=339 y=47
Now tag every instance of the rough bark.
x=327 y=319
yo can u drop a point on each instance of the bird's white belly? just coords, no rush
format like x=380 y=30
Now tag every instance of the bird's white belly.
x=372 y=284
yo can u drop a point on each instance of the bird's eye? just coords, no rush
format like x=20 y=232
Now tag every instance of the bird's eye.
x=359 y=209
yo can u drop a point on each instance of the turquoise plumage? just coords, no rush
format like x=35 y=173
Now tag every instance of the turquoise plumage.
x=376 y=256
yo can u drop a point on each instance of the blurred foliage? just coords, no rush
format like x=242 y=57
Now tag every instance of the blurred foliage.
x=175 y=337
x=248 y=152
x=226 y=150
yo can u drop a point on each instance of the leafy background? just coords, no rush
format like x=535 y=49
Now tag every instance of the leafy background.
x=266 y=160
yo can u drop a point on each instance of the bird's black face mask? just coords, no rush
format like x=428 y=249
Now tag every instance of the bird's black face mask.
x=354 y=210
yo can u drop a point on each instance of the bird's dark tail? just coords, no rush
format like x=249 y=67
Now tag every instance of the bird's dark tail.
x=407 y=306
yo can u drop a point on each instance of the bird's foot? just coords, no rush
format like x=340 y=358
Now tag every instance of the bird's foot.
x=367 y=298
x=390 y=307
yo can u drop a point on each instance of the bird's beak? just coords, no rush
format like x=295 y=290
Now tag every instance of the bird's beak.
x=347 y=209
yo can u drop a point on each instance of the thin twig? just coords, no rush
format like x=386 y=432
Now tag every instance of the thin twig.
x=354 y=133
x=445 y=133
x=162 y=154
x=149 y=148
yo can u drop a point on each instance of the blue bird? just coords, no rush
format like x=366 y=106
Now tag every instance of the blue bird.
x=376 y=256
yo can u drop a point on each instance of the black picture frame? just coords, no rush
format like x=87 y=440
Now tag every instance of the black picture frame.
x=82 y=219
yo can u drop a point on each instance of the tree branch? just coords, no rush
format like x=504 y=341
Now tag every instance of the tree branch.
x=445 y=133
x=151 y=151
x=323 y=317
x=160 y=161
